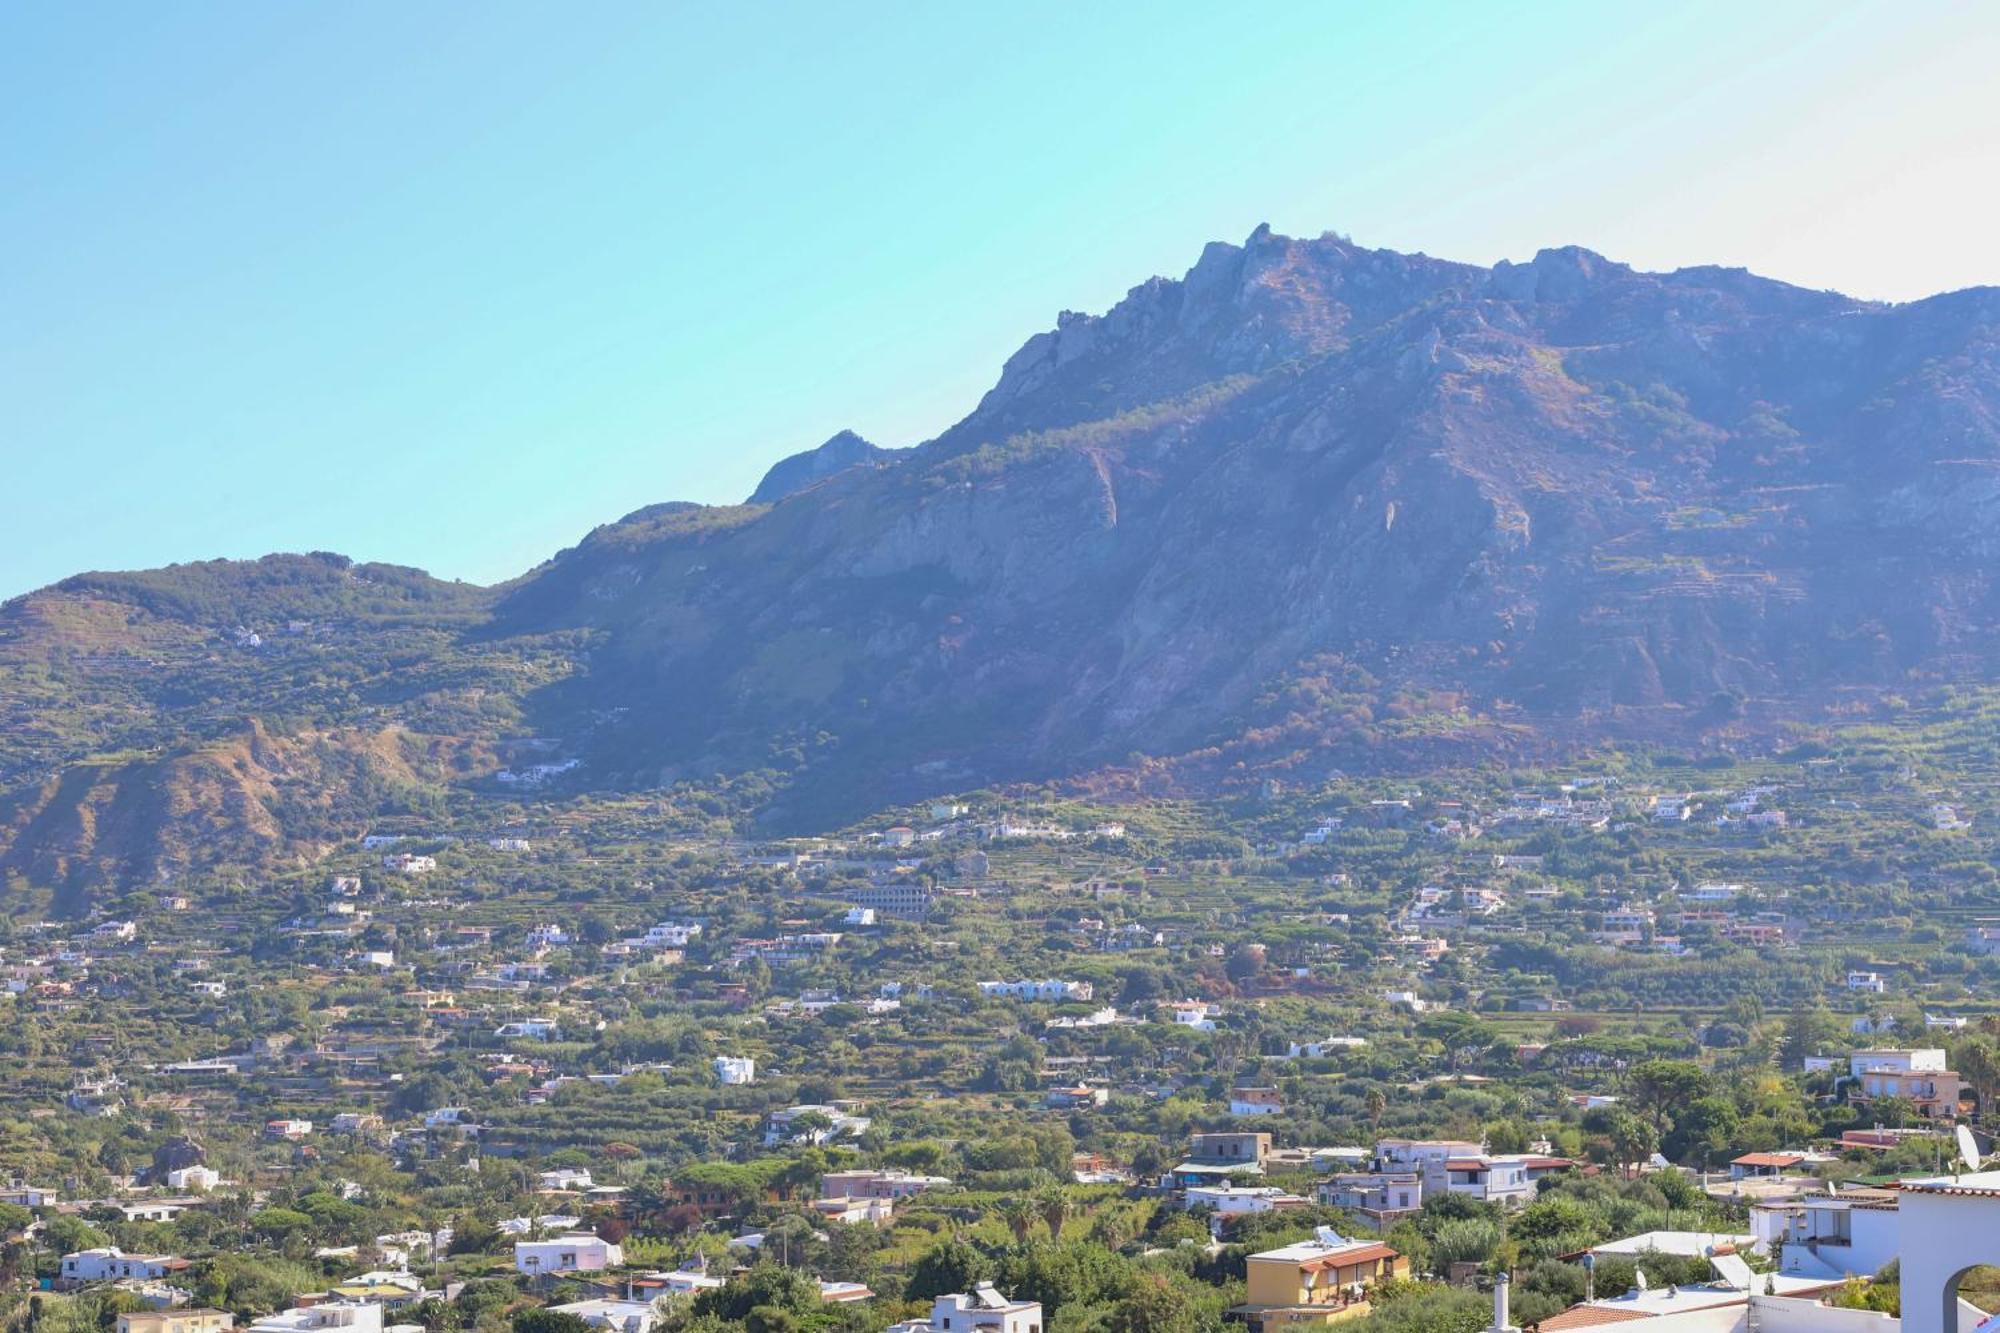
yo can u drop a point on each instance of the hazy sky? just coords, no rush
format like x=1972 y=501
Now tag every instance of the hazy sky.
x=448 y=284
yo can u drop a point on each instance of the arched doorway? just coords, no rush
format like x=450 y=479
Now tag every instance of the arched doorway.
x=1950 y=1225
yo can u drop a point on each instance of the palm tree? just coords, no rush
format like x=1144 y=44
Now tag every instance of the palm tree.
x=1978 y=1062
x=1054 y=1205
x=1378 y=1106
x=1020 y=1217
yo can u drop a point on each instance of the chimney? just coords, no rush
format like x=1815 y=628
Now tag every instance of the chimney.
x=1501 y=1283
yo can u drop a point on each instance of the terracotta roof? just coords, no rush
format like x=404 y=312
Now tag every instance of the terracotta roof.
x=1780 y=1159
x=1588 y=1316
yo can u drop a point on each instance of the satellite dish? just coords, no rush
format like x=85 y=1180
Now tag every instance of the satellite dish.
x=1968 y=1148
x=1639 y=1276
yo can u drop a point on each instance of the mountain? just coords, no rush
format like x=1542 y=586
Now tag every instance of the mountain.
x=1310 y=504
x=789 y=476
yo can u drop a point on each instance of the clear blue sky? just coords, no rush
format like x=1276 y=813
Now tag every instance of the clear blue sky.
x=448 y=284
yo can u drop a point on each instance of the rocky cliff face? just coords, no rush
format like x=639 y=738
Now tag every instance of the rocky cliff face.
x=1310 y=503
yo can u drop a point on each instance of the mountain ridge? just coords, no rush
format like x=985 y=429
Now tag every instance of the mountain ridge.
x=1309 y=502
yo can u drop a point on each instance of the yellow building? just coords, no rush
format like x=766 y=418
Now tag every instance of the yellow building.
x=176 y=1321
x=1316 y=1281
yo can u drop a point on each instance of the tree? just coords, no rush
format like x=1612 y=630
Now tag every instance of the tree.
x=948 y=1266
x=1506 y=1137
x=1632 y=1140
x=1703 y=1130
x=1470 y=1240
x=1377 y=1105
x=548 y=1321
x=766 y=1286
x=1977 y=1060
x=1807 y=1030
x=1656 y=1086
x=1153 y=1305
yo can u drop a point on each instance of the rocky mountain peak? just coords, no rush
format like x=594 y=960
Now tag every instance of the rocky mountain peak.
x=789 y=476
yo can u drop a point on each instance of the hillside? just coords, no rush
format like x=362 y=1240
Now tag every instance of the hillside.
x=1310 y=505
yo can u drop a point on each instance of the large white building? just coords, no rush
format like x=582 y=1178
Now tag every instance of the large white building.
x=576 y=1252
x=735 y=1069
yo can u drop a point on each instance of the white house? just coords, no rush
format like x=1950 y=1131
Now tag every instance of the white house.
x=1850 y=1234
x=1919 y=1060
x=1238 y=1200
x=576 y=1252
x=345 y=1316
x=780 y=1128
x=194 y=1178
x=532 y=1226
x=564 y=1178
x=863 y=1183
x=1255 y=1101
x=1196 y=1014
x=1049 y=990
x=407 y=863
x=1501 y=1180
x=685 y=1281
x=1382 y=1196
x=671 y=934
x=530 y=1029
x=615 y=1316
x=854 y=1212
x=1870 y=983
x=1324 y=1047
x=108 y=1262
x=1421 y=1155
x=735 y=1069
x=984 y=1311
